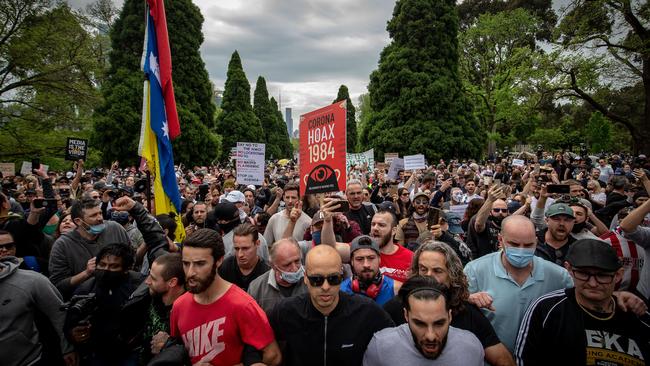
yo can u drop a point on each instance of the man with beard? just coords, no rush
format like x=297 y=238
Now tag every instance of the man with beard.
x=485 y=226
x=587 y=225
x=470 y=192
x=432 y=340
x=555 y=240
x=278 y=223
x=359 y=212
x=367 y=280
x=410 y=228
x=98 y=335
x=199 y=214
x=214 y=318
x=395 y=260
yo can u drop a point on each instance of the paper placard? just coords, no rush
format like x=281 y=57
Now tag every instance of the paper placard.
x=8 y=169
x=518 y=162
x=388 y=157
x=250 y=163
x=76 y=149
x=459 y=210
x=395 y=167
x=413 y=162
x=26 y=168
x=367 y=157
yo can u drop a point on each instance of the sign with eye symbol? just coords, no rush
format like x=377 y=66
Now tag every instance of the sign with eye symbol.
x=323 y=149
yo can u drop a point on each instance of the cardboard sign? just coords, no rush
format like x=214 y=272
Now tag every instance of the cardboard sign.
x=388 y=157
x=8 y=169
x=395 y=167
x=518 y=162
x=323 y=150
x=366 y=157
x=26 y=168
x=76 y=149
x=413 y=162
x=250 y=163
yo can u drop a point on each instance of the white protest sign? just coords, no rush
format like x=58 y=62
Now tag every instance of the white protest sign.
x=8 y=169
x=395 y=167
x=361 y=158
x=518 y=162
x=459 y=210
x=388 y=157
x=413 y=162
x=26 y=168
x=250 y=163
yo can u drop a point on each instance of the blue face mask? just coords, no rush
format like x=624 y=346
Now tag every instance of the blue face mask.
x=95 y=229
x=519 y=257
x=316 y=237
x=293 y=277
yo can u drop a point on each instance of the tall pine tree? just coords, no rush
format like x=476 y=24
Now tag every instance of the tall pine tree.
x=284 y=142
x=267 y=117
x=117 y=122
x=237 y=122
x=416 y=95
x=351 y=124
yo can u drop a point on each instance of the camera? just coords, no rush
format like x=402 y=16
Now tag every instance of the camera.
x=81 y=306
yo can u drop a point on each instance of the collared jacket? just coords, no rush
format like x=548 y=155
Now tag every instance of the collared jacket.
x=310 y=338
x=264 y=289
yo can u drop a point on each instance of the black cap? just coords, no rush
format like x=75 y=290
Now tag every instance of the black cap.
x=593 y=253
x=225 y=211
x=364 y=242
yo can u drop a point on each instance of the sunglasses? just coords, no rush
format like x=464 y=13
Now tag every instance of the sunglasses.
x=318 y=280
x=602 y=278
x=404 y=194
x=504 y=210
x=421 y=202
x=8 y=246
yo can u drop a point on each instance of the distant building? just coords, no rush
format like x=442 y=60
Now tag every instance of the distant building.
x=288 y=120
x=217 y=94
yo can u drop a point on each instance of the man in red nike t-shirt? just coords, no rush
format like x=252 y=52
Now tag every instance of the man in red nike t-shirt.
x=215 y=319
x=395 y=260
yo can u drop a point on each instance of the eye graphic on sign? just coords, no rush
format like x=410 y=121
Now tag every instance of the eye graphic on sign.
x=321 y=173
x=322 y=177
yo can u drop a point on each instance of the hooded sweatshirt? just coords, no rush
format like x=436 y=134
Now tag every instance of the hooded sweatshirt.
x=21 y=293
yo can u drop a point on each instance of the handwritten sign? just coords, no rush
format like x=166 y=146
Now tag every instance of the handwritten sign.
x=413 y=162
x=250 y=163
x=8 y=169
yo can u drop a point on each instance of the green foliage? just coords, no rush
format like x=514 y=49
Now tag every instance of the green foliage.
x=364 y=113
x=118 y=119
x=237 y=122
x=351 y=124
x=417 y=99
x=267 y=112
x=599 y=132
x=283 y=142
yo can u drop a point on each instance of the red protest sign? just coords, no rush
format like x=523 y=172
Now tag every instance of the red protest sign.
x=322 y=149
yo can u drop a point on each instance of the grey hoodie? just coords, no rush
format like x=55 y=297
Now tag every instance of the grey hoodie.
x=21 y=293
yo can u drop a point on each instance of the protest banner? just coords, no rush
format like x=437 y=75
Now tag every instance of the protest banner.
x=395 y=167
x=413 y=162
x=76 y=149
x=8 y=169
x=388 y=157
x=233 y=153
x=358 y=159
x=459 y=210
x=518 y=162
x=250 y=163
x=323 y=149
x=26 y=168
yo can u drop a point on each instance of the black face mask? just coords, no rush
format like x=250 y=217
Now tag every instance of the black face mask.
x=109 y=279
x=497 y=220
x=230 y=225
x=578 y=227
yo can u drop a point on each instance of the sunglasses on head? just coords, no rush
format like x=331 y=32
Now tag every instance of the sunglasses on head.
x=318 y=280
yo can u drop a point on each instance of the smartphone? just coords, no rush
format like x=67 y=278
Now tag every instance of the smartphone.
x=203 y=191
x=44 y=202
x=36 y=164
x=433 y=217
x=558 y=188
x=344 y=206
x=497 y=182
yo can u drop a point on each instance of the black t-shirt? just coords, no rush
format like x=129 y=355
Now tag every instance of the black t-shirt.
x=470 y=319
x=230 y=272
x=485 y=242
x=363 y=217
x=549 y=253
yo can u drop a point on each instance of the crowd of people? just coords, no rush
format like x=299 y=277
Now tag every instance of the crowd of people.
x=518 y=260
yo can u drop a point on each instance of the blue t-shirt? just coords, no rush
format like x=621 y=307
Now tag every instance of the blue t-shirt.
x=385 y=293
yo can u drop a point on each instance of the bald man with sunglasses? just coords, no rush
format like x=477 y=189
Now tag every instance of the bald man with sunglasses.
x=326 y=326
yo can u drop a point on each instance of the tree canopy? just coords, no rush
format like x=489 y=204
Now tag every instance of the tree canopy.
x=351 y=123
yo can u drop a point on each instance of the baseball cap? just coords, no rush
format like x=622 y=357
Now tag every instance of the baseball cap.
x=559 y=209
x=363 y=242
x=420 y=194
x=319 y=216
x=225 y=211
x=453 y=220
x=235 y=197
x=593 y=253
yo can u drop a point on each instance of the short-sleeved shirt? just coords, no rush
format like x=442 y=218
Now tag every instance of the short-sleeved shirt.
x=488 y=274
x=216 y=333
x=394 y=346
x=486 y=241
x=386 y=292
x=230 y=272
x=396 y=265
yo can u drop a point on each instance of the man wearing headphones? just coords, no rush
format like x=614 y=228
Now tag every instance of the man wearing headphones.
x=367 y=280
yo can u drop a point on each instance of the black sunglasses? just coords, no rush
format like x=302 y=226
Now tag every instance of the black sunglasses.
x=318 y=280
x=504 y=210
x=8 y=246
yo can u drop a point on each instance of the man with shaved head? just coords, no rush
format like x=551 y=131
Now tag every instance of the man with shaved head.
x=504 y=283
x=325 y=326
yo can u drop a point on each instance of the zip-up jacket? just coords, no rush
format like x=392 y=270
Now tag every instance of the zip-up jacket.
x=339 y=339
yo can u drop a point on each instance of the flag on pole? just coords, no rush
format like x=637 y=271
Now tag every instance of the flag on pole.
x=159 y=117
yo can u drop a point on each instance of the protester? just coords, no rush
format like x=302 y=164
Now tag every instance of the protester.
x=291 y=216
x=359 y=212
x=367 y=279
x=245 y=265
x=410 y=228
x=484 y=228
x=395 y=259
x=634 y=230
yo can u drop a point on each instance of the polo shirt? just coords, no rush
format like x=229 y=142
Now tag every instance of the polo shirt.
x=488 y=274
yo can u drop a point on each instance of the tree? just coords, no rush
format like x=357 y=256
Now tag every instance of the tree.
x=237 y=122
x=48 y=71
x=417 y=99
x=118 y=119
x=351 y=123
x=284 y=142
x=363 y=116
x=599 y=132
x=268 y=119
x=497 y=63
x=603 y=44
